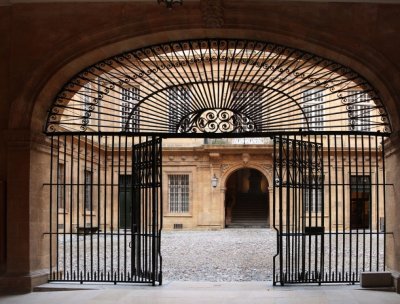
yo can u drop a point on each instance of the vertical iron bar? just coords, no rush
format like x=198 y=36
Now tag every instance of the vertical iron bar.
x=57 y=217
x=77 y=208
x=336 y=211
x=287 y=211
x=51 y=205
x=384 y=201
x=148 y=210
x=310 y=201
x=280 y=210
x=125 y=204
x=370 y=202
x=133 y=212
x=154 y=208
x=316 y=210
x=377 y=200
x=322 y=194
x=364 y=176
x=91 y=207
x=351 y=228
x=119 y=209
x=105 y=208
x=304 y=199
x=112 y=206
x=65 y=205
x=294 y=210
x=71 y=207
x=135 y=195
x=343 y=211
x=161 y=212
x=84 y=208
x=274 y=212
x=64 y=214
x=357 y=194
x=98 y=204
x=329 y=206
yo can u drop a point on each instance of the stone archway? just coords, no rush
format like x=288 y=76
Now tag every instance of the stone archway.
x=26 y=199
x=247 y=199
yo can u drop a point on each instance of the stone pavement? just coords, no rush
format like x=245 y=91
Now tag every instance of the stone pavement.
x=203 y=292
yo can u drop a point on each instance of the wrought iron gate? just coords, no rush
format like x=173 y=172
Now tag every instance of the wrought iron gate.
x=329 y=172
x=105 y=208
x=329 y=207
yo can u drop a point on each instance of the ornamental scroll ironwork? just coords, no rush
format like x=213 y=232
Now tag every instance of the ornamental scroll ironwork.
x=168 y=88
x=216 y=121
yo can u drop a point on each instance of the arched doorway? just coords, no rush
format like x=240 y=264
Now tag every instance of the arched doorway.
x=246 y=199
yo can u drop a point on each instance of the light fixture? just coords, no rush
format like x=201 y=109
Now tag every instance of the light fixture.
x=214 y=181
x=170 y=3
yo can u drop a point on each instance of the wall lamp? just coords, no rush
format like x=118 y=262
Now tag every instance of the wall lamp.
x=214 y=181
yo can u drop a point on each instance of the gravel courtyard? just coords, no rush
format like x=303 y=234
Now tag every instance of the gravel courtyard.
x=223 y=255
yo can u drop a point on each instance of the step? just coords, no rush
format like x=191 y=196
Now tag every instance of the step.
x=248 y=225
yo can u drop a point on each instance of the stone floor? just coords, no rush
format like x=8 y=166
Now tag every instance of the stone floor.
x=204 y=293
x=192 y=275
x=229 y=255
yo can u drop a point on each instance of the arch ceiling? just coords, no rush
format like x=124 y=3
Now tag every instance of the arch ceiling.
x=217 y=86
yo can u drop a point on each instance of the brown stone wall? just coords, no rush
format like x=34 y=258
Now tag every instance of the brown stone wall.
x=393 y=206
x=67 y=37
x=4 y=106
x=44 y=45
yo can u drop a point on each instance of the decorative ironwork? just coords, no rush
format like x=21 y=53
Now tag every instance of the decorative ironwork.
x=216 y=121
x=216 y=87
x=280 y=89
x=105 y=220
x=170 y=3
x=327 y=222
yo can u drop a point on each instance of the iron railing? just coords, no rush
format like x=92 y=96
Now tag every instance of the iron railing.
x=108 y=227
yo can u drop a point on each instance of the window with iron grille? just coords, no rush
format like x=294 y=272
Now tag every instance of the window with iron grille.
x=360 y=183
x=313 y=109
x=360 y=201
x=88 y=190
x=60 y=186
x=178 y=104
x=130 y=98
x=178 y=196
x=312 y=193
x=359 y=111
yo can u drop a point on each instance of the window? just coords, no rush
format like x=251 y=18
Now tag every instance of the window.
x=130 y=99
x=178 y=102
x=359 y=111
x=60 y=186
x=178 y=196
x=313 y=109
x=313 y=193
x=360 y=196
x=88 y=190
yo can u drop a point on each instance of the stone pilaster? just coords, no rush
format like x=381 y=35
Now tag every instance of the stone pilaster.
x=23 y=272
x=392 y=202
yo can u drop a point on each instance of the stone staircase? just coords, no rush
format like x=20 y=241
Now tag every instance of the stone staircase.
x=250 y=211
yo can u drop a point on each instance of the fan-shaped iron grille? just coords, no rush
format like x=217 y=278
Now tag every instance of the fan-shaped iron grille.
x=217 y=86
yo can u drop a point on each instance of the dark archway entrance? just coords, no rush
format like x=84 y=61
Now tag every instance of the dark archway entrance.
x=326 y=123
x=246 y=199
